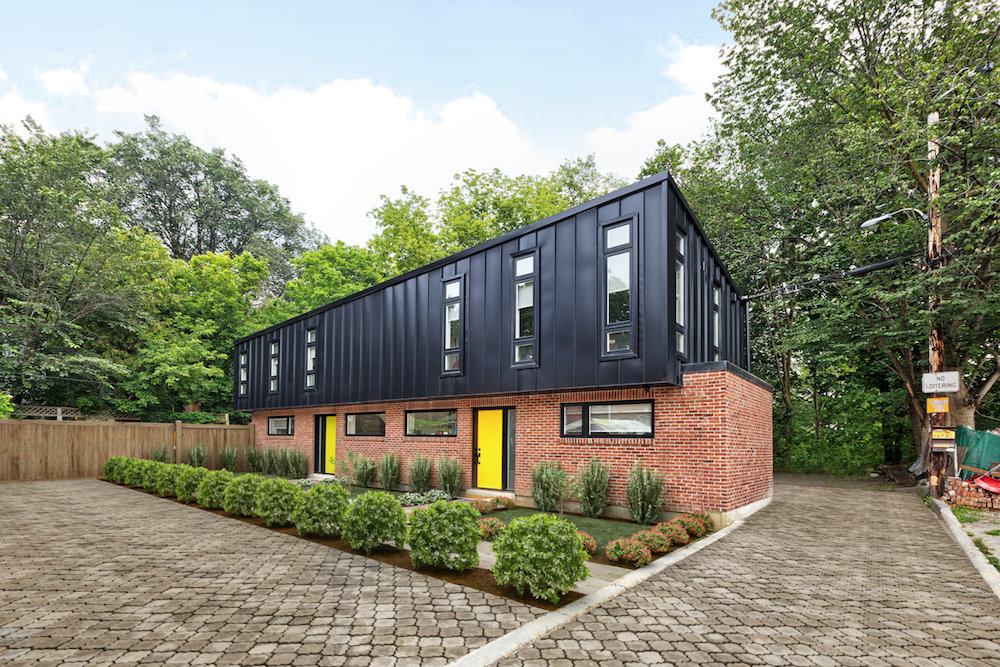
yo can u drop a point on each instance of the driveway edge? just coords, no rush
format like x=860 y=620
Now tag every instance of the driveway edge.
x=501 y=647
x=989 y=573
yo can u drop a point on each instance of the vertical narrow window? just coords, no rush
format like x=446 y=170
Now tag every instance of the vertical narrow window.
x=525 y=313
x=452 y=327
x=716 y=320
x=274 y=367
x=680 y=287
x=244 y=373
x=310 y=358
x=619 y=292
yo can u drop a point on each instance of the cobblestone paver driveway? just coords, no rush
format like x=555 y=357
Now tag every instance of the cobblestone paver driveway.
x=823 y=576
x=98 y=574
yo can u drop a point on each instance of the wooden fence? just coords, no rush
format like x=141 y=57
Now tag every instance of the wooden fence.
x=36 y=450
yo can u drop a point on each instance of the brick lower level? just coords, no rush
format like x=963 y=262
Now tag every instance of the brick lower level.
x=712 y=438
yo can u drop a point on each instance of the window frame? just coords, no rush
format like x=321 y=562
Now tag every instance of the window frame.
x=406 y=424
x=585 y=420
x=715 y=321
x=632 y=325
x=681 y=251
x=460 y=348
x=314 y=347
x=515 y=319
x=347 y=421
x=274 y=364
x=290 y=424
x=242 y=364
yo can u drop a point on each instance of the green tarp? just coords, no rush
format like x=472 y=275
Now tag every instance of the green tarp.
x=983 y=449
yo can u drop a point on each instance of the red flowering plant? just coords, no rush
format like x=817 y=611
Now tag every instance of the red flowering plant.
x=491 y=528
x=589 y=543
x=628 y=551
x=484 y=506
x=695 y=527
x=504 y=503
x=657 y=542
x=674 y=532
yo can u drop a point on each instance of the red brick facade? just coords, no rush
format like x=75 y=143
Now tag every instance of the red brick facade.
x=712 y=438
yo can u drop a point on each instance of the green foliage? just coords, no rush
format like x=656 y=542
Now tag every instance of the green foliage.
x=295 y=464
x=241 y=495
x=449 y=471
x=277 y=500
x=673 y=531
x=966 y=514
x=592 y=481
x=655 y=541
x=255 y=459
x=588 y=542
x=196 y=457
x=995 y=531
x=644 y=493
x=151 y=473
x=444 y=535
x=227 y=458
x=319 y=510
x=985 y=550
x=628 y=551
x=6 y=405
x=490 y=528
x=389 y=467
x=212 y=489
x=361 y=469
x=114 y=468
x=187 y=482
x=434 y=495
x=419 y=474
x=133 y=471
x=159 y=454
x=542 y=554
x=373 y=519
x=166 y=478
x=548 y=486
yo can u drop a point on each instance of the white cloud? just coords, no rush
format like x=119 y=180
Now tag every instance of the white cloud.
x=3 y=75
x=14 y=107
x=64 y=82
x=334 y=149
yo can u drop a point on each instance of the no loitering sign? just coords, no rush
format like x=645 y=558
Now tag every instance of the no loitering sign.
x=943 y=383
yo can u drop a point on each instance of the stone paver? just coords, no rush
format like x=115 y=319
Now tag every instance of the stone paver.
x=98 y=574
x=822 y=576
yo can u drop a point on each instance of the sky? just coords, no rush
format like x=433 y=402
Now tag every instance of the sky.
x=339 y=103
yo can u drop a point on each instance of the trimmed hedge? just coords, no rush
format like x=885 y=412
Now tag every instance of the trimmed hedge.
x=212 y=488
x=542 y=554
x=373 y=519
x=276 y=499
x=187 y=482
x=320 y=510
x=166 y=478
x=444 y=535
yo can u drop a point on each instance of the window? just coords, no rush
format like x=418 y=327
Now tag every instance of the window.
x=281 y=425
x=716 y=320
x=310 y=358
x=366 y=423
x=452 y=327
x=608 y=420
x=619 y=292
x=274 y=367
x=432 y=422
x=244 y=373
x=680 y=319
x=525 y=313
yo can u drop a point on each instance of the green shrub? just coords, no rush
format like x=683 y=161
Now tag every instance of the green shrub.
x=196 y=457
x=388 y=470
x=674 y=532
x=187 y=482
x=450 y=475
x=133 y=471
x=628 y=551
x=548 y=486
x=589 y=543
x=484 y=506
x=255 y=459
x=241 y=495
x=541 y=553
x=693 y=525
x=490 y=528
x=419 y=474
x=113 y=469
x=212 y=488
x=276 y=499
x=227 y=458
x=320 y=510
x=159 y=454
x=166 y=476
x=592 y=482
x=435 y=495
x=505 y=503
x=150 y=472
x=297 y=464
x=362 y=469
x=644 y=492
x=444 y=535
x=374 y=518
x=655 y=541
x=271 y=463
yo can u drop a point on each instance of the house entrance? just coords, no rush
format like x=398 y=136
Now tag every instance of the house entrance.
x=494 y=448
x=326 y=444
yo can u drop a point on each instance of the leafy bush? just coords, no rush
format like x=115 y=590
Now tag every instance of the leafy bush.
x=255 y=459
x=435 y=495
x=491 y=528
x=541 y=553
x=450 y=475
x=240 y=496
x=505 y=503
x=410 y=499
x=362 y=469
x=657 y=542
x=227 y=458
x=628 y=551
x=6 y=405
x=389 y=467
x=276 y=499
x=548 y=486
x=644 y=492
x=187 y=482
x=374 y=518
x=196 y=457
x=589 y=543
x=419 y=474
x=444 y=535
x=134 y=471
x=271 y=461
x=694 y=526
x=113 y=469
x=484 y=506
x=166 y=476
x=674 y=532
x=592 y=482
x=320 y=510
x=296 y=464
x=212 y=488
x=705 y=519
x=159 y=454
x=150 y=472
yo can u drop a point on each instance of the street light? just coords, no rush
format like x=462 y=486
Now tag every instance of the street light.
x=873 y=223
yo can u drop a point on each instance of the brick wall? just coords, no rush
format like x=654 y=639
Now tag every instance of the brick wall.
x=712 y=438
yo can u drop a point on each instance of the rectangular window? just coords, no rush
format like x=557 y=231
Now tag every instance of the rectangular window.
x=274 y=367
x=452 y=352
x=608 y=420
x=281 y=425
x=525 y=312
x=716 y=320
x=244 y=373
x=680 y=287
x=366 y=423
x=432 y=422
x=619 y=297
x=310 y=358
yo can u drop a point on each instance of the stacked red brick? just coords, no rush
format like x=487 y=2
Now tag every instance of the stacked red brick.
x=968 y=494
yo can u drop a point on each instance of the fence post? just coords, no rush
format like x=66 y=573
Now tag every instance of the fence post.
x=178 y=435
x=58 y=414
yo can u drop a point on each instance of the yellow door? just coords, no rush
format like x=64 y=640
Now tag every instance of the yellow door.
x=489 y=441
x=330 y=445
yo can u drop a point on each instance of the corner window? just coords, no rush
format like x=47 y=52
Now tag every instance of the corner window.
x=310 y=358
x=366 y=423
x=281 y=425
x=432 y=422
x=453 y=325
x=244 y=373
x=273 y=388
x=525 y=312
x=680 y=287
x=608 y=420
x=618 y=280
x=716 y=320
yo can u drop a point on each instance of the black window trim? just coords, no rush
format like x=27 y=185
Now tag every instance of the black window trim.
x=514 y=280
x=677 y=255
x=585 y=420
x=273 y=379
x=291 y=426
x=406 y=424
x=445 y=302
x=242 y=363
x=632 y=326
x=715 y=349
x=314 y=345
x=361 y=414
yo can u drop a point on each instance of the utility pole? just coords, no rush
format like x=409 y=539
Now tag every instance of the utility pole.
x=935 y=353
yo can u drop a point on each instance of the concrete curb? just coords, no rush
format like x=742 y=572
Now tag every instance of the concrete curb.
x=501 y=647
x=989 y=573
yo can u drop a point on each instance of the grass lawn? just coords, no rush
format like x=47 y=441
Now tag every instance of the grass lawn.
x=602 y=530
